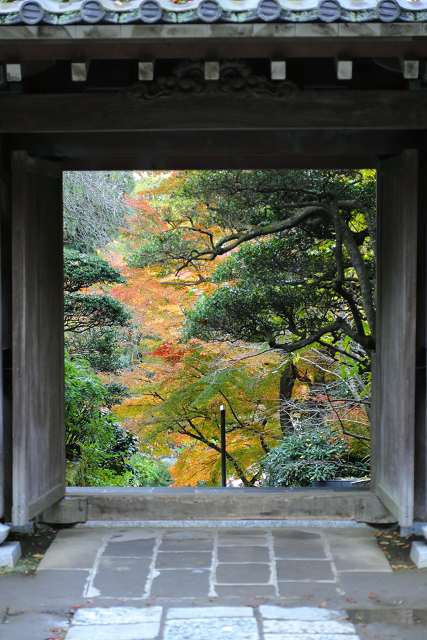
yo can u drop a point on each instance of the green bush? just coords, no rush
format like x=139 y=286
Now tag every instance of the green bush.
x=98 y=449
x=301 y=459
x=149 y=472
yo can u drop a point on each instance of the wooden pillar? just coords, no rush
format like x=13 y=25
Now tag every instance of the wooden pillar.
x=420 y=461
x=5 y=336
x=395 y=366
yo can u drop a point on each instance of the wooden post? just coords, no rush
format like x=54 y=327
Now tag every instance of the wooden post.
x=396 y=333
x=223 y=449
x=6 y=336
x=420 y=484
x=38 y=336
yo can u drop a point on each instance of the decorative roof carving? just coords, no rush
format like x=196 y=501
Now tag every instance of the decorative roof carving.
x=34 y=12
x=188 y=78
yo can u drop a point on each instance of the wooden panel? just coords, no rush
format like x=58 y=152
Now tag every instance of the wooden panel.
x=334 y=109
x=6 y=330
x=396 y=325
x=223 y=149
x=165 y=46
x=420 y=485
x=37 y=305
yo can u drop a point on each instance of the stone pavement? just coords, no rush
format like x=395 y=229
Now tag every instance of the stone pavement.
x=250 y=579
x=139 y=563
x=203 y=623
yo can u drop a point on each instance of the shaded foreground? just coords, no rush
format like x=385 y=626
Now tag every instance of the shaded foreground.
x=321 y=568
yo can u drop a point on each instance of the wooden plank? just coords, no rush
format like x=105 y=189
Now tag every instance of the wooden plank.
x=204 y=47
x=224 y=149
x=6 y=329
x=322 y=110
x=420 y=489
x=3 y=440
x=38 y=376
x=396 y=329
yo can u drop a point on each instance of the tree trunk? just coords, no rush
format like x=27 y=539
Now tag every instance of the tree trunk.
x=286 y=385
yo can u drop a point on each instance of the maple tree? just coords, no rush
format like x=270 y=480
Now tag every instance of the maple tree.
x=176 y=387
x=300 y=247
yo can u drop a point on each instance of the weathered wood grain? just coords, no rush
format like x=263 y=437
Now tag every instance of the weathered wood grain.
x=396 y=328
x=37 y=306
x=217 y=47
x=321 y=110
x=186 y=149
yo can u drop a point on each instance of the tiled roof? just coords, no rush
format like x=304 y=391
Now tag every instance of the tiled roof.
x=32 y=12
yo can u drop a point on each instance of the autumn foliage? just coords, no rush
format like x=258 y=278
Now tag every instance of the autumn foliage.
x=176 y=388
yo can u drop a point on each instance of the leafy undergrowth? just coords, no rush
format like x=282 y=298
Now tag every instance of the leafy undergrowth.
x=33 y=547
x=397 y=548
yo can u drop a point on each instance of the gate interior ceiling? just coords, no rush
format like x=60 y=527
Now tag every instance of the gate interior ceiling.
x=210 y=84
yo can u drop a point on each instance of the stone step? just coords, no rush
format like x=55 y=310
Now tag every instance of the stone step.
x=83 y=504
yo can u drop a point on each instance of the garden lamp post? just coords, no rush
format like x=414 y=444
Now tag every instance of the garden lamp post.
x=223 y=453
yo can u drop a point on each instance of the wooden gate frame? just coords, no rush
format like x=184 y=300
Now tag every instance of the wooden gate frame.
x=307 y=129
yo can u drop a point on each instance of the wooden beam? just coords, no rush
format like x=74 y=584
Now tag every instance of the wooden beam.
x=165 y=150
x=320 y=110
x=183 y=162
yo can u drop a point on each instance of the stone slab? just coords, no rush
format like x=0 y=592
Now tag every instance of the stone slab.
x=189 y=545
x=181 y=583
x=243 y=540
x=243 y=554
x=130 y=548
x=213 y=525
x=243 y=573
x=72 y=552
x=142 y=631
x=217 y=628
x=360 y=553
x=418 y=554
x=121 y=503
x=116 y=615
x=415 y=528
x=177 y=560
x=66 y=511
x=304 y=570
x=309 y=636
x=31 y=625
x=10 y=552
x=122 y=577
x=185 y=534
x=245 y=591
x=208 y=612
x=128 y=535
x=271 y=612
x=308 y=626
x=313 y=592
x=298 y=544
